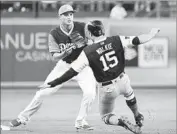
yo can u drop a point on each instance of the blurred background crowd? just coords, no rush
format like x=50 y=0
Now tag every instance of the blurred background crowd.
x=91 y=8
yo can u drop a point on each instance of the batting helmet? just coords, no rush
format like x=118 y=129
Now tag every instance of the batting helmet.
x=96 y=28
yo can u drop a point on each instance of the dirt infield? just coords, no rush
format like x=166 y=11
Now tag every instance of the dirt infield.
x=59 y=111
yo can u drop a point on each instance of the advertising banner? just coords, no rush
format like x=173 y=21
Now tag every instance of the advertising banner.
x=24 y=53
x=153 y=53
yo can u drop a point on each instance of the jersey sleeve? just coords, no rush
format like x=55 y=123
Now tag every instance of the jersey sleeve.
x=53 y=46
x=126 y=40
x=80 y=63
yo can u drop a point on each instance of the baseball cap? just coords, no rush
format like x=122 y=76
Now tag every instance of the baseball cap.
x=65 y=8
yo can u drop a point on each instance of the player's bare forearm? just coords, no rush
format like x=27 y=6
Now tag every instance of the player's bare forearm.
x=143 y=38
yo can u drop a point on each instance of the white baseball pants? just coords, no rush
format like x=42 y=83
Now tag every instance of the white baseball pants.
x=86 y=81
x=109 y=93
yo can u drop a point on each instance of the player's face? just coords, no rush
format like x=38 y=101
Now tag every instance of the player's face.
x=67 y=18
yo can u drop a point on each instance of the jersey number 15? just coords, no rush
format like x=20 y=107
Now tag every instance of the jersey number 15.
x=109 y=57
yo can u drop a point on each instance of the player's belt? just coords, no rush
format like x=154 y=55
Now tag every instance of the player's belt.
x=110 y=82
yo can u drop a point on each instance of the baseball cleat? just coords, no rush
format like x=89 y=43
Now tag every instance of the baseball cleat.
x=5 y=128
x=83 y=125
x=139 y=120
x=16 y=123
x=124 y=122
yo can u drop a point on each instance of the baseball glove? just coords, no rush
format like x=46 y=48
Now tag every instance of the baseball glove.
x=77 y=39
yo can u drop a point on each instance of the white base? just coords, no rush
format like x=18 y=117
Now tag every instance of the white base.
x=5 y=128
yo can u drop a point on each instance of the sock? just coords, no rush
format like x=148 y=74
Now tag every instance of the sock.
x=132 y=104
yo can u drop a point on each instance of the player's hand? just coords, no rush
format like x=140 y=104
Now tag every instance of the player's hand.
x=154 y=31
x=44 y=86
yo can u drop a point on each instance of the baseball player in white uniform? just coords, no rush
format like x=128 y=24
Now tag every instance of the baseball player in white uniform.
x=66 y=42
x=106 y=58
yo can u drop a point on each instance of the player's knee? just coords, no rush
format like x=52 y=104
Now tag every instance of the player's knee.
x=107 y=117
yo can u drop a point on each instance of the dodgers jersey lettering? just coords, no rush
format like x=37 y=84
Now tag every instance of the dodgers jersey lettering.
x=106 y=58
x=63 y=41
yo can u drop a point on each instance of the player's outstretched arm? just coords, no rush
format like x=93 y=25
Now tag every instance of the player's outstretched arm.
x=143 y=38
x=65 y=77
x=128 y=41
